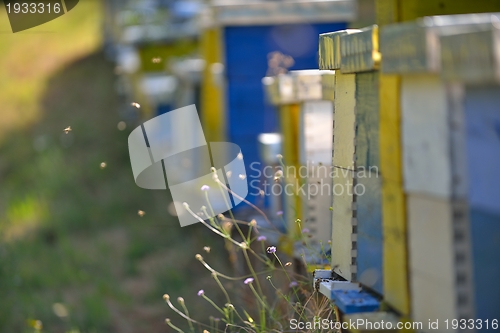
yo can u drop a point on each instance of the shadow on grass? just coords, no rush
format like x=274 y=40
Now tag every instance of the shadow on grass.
x=73 y=251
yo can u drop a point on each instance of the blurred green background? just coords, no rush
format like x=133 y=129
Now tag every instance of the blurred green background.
x=74 y=254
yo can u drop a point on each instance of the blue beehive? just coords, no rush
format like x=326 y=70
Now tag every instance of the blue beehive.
x=476 y=68
x=482 y=118
x=250 y=33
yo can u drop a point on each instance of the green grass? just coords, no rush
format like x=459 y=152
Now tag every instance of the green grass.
x=69 y=230
x=28 y=57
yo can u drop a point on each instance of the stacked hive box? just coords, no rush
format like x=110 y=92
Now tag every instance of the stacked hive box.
x=470 y=62
x=356 y=228
x=343 y=237
x=359 y=55
x=281 y=93
x=305 y=100
x=396 y=288
x=434 y=140
x=315 y=94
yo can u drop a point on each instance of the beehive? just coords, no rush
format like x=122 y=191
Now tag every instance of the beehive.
x=470 y=63
x=240 y=40
x=433 y=146
x=357 y=228
x=305 y=102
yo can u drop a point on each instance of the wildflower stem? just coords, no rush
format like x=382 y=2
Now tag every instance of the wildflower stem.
x=213 y=304
x=187 y=314
x=249 y=235
x=264 y=305
x=264 y=261
x=263 y=319
x=248 y=203
x=282 y=266
x=238 y=326
x=240 y=232
x=257 y=295
x=182 y=314
x=286 y=273
x=216 y=278
x=224 y=196
x=208 y=203
x=228 y=237
x=239 y=316
x=278 y=290
x=250 y=266
x=287 y=299
x=304 y=307
x=212 y=220
x=207 y=266
x=210 y=227
x=174 y=327
x=229 y=209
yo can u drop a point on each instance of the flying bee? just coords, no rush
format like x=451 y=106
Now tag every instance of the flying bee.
x=136 y=105
x=103 y=165
x=141 y=213
x=67 y=129
x=156 y=60
x=121 y=125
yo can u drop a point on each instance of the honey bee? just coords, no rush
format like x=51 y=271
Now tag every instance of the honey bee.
x=67 y=129
x=156 y=60
x=103 y=165
x=141 y=213
x=136 y=105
